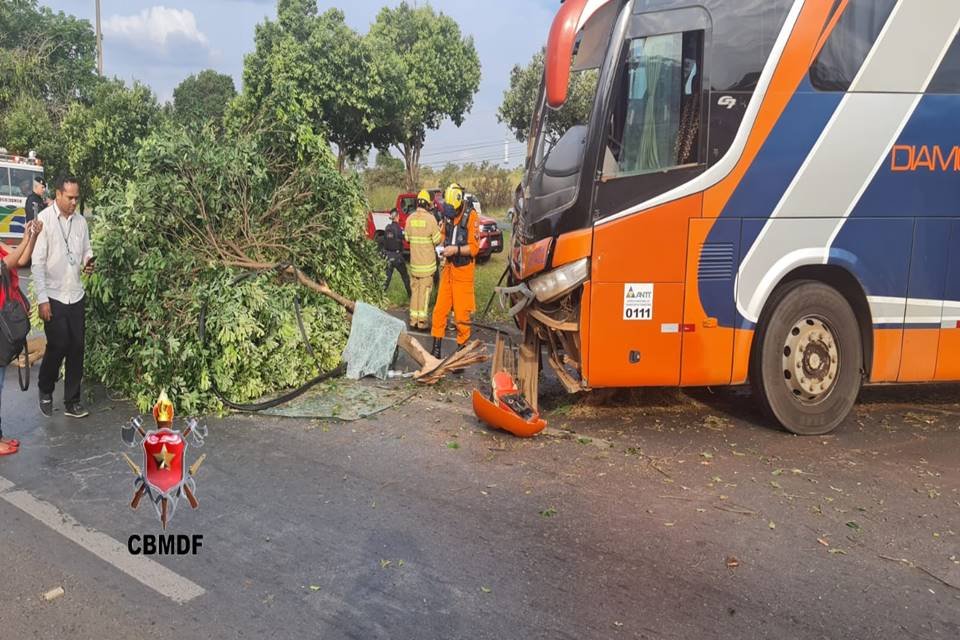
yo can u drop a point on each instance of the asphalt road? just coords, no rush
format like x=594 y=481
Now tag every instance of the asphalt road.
x=643 y=515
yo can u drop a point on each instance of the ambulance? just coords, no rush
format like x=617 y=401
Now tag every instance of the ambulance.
x=16 y=183
x=764 y=191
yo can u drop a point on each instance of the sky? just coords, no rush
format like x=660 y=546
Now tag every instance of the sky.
x=161 y=42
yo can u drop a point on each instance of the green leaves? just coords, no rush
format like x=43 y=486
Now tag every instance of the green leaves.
x=430 y=74
x=516 y=110
x=155 y=272
x=102 y=137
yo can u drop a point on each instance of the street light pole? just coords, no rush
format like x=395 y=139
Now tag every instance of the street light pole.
x=99 y=43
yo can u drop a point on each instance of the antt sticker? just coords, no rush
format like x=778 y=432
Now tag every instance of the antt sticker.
x=638 y=301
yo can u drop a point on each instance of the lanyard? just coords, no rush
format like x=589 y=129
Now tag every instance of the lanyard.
x=66 y=235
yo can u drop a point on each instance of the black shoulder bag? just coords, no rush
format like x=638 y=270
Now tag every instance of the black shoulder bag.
x=14 y=324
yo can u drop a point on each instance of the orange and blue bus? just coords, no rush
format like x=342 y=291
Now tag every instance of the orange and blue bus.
x=763 y=191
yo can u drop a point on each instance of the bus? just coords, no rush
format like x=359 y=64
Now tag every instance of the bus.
x=16 y=183
x=762 y=191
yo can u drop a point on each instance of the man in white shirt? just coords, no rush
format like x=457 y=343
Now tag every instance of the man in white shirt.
x=62 y=253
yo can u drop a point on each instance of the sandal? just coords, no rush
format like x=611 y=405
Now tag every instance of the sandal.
x=6 y=449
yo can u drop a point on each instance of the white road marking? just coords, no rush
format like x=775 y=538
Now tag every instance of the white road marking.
x=140 y=568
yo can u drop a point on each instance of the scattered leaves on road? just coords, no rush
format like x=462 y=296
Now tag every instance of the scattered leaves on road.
x=715 y=423
x=732 y=562
x=772 y=524
x=486 y=589
x=838 y=552
x=453 y=445
x=385 y=563
x=584 y=440
x=856 y=527
x=314 y=587
x=549 y=512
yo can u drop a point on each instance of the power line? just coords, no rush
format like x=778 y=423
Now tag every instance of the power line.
x=462 y=148
x=494 y=160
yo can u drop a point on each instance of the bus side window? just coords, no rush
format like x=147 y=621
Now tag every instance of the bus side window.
x=849 y=44
x=656 y=109
x=947 y=78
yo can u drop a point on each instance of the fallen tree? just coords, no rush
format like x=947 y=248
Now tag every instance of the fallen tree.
x=171 y=241
x=165 y=240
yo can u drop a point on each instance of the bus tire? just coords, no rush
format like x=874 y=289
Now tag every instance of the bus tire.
x=807 y=360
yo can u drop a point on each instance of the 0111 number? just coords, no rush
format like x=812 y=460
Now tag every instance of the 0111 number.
x=643 y=313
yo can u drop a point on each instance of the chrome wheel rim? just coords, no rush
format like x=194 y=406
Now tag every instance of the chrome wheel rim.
x=811 y=360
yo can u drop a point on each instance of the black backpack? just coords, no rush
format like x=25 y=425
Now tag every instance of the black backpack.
x=14 y=320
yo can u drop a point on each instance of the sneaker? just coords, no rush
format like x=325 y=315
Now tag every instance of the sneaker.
x=76 y=410
x=46 y=404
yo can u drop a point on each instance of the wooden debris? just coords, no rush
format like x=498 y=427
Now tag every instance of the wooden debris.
x=431 y=369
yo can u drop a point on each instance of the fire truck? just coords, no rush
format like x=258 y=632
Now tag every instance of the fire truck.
x=16 y=183
x=762 y=191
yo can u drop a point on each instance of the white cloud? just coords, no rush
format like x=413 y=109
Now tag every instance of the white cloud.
x=156 y=28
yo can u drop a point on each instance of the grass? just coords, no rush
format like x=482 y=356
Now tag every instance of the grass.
x=487 y=276
x=382 y=198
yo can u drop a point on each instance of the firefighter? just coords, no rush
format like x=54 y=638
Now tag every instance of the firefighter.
x=423 y=234
x=460 y=248
x=393 y=251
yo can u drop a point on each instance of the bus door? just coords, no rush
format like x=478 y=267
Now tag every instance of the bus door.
x=948 y=359
x=925 y=295
x=652 y=123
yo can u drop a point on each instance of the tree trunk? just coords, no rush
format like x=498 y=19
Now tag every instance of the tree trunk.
x=411 y=157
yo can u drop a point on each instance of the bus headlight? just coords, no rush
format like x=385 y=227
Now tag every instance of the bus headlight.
x=554 y=284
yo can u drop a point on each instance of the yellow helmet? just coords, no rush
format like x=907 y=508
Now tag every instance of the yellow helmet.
x=424 y=199
x=163 y=410
x=454 y=196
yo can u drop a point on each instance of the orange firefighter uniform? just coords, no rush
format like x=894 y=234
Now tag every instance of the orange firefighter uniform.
x=457 y=276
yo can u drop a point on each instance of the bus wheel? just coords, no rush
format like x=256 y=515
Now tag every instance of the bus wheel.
x=807 y=358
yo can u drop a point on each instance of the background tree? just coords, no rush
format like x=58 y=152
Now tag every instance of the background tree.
x=27 y=126
x=102 y=137
x=315 y=71
x=45 y=55
x=203 y=98
x=519 y=100
x=432 y=73
x=47 y=63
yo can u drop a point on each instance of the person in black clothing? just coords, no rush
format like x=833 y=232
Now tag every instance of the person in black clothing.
x=438 y=214
x=35 y=201
x=393 y=250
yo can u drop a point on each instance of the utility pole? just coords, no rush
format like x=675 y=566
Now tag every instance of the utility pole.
x=99 y=43
x=506 y=151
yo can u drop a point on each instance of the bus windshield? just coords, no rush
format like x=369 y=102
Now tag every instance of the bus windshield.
x=551 y=125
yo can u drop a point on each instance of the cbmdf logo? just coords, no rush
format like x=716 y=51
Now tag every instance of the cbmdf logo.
x=164 y=477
